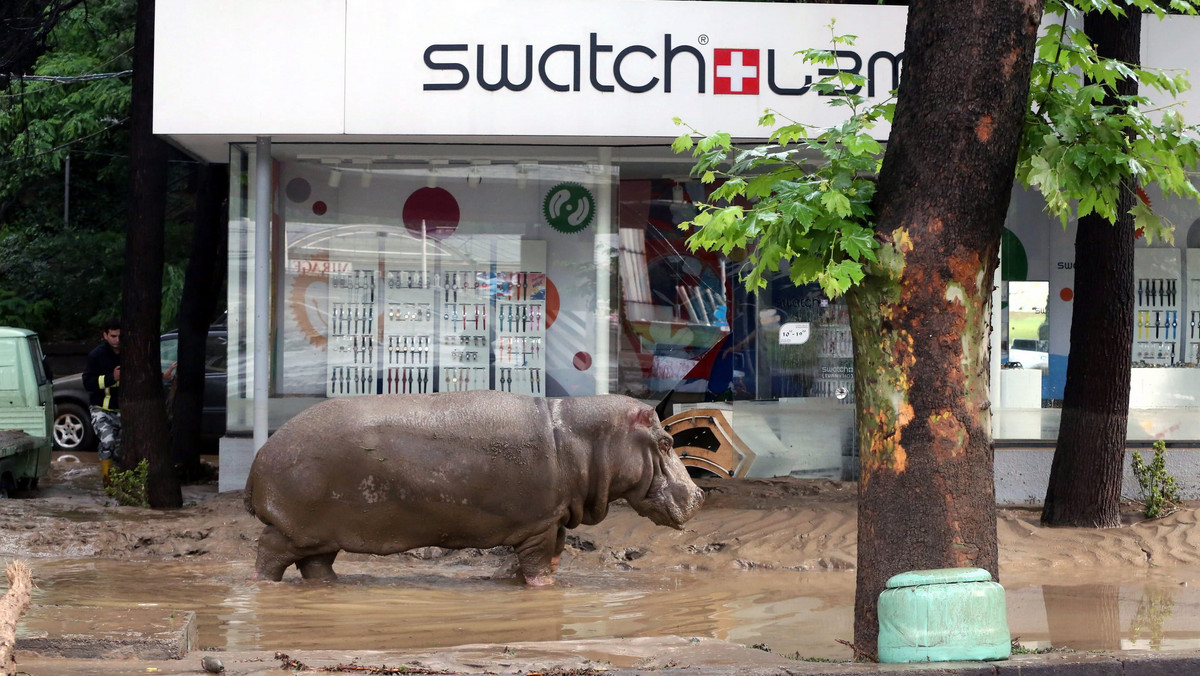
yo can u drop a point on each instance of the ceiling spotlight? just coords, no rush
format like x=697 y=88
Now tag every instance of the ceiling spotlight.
x=431 y=180
x=474 y=178
x=335 y=178
x=524 y=169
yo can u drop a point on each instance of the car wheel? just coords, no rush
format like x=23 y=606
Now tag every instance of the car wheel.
x=73 y=428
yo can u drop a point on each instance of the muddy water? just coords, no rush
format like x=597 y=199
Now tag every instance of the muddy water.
x=377 y=606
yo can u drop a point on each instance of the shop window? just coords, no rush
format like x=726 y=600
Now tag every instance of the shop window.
x=397 y=276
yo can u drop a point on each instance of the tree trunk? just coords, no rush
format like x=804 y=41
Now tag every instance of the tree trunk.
x=1085 y=477
x=201 y=288
x=920 y=320
x=143 y=409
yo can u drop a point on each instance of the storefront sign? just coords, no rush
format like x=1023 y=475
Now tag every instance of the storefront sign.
x=534 y=68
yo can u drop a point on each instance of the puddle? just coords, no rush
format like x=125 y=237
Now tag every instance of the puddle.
x=366 y=609
x=373 y=606
x=1161 y=612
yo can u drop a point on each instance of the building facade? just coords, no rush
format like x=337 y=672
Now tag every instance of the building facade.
x=431 y=197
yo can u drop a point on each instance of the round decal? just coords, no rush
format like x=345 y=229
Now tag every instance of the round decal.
x=436 y=207
x=1066 y=294
x=319 y=208
x=298 y=190
x=552 y=302
x=569 y=207
x=582 y=361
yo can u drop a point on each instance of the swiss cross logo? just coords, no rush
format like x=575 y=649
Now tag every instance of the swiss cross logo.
x=736 y=71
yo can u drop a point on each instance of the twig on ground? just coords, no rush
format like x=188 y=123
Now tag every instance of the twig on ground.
x=383 y=670
x=12 y=607
x=859 y=655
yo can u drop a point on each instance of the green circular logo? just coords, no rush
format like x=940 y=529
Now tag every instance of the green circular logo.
x=569 y=207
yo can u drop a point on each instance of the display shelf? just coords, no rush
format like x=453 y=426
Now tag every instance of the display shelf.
x=458 y=325
x=352 y=311
x=520 y=350
x=1158 y=302
x=463 y=331
x=408 y=331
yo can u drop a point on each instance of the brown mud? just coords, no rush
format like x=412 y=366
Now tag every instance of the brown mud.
x=766 y=562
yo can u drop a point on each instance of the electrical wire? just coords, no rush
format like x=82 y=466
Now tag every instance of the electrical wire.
x=63 y=80
x=68 y=79
x=64 y=145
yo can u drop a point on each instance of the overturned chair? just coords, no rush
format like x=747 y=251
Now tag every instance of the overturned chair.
x=705 y=440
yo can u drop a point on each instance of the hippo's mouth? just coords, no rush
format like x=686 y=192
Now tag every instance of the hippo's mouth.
x=661 y=507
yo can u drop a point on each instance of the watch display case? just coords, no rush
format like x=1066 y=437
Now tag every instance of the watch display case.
x=454 y=326
x=1158 y=302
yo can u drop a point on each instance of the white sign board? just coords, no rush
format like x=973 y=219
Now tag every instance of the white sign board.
x=794 y=333
x=534 y=68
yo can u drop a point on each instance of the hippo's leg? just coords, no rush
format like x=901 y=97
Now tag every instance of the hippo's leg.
x=559 y=546
x=535 y=557
x=318 y=567
x=275 y=554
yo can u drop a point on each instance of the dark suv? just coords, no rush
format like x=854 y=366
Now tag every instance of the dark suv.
x=73 y=423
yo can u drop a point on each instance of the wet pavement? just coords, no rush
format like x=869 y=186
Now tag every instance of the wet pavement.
x=378 y=603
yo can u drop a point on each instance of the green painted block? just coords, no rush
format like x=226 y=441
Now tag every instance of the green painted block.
x=944 y=615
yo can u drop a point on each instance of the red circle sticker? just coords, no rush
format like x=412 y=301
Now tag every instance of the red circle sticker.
x=582 y=361
x=1066 y=294
x=435 y=209
x=319 y=208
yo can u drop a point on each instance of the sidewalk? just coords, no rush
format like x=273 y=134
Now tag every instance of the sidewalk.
x=659 y=656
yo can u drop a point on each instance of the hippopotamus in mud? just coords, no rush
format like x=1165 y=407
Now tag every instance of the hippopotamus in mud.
x=385 y=474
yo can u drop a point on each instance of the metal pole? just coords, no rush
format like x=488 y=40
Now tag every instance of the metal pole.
x=262 y=287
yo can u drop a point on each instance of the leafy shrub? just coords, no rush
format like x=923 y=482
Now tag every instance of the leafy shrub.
x=1159 y=493
x=128 y=487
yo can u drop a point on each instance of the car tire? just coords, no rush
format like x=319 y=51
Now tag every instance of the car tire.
x=73 y=428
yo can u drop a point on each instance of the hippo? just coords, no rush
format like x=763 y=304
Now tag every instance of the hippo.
x=385 y=474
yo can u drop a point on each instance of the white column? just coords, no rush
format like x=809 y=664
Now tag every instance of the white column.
x=994 y=339
x=603 y=259
x=262 y=285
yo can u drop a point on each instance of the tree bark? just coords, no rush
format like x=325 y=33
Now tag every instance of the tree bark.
x=24 y=27
x=201 y=289
x=921 y=318
x=143 y=408
x=1089 y=457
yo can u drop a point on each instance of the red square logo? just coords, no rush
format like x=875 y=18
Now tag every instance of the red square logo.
x=735 y=71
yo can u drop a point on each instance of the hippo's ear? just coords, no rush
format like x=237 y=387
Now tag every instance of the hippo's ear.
x=642 y=417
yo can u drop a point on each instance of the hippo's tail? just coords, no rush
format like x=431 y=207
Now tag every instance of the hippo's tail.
x=248 y=497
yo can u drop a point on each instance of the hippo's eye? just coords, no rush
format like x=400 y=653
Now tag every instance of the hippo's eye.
x=665 y=443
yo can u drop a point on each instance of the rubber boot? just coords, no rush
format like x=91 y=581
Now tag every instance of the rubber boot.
x=105 y=468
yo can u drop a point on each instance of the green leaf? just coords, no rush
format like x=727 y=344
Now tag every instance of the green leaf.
x=858 y=242
x=682 y=143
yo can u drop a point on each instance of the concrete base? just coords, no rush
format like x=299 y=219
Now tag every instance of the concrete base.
x=237 y=453
x=106 y=633
x=1022 y=474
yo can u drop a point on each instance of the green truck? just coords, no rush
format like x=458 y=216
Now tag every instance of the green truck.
x=26 y=411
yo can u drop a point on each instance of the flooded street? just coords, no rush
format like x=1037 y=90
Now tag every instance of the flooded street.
x=376 y=606
x=766 y=562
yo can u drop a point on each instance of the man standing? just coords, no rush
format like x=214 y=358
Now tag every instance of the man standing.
x=102 y=378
